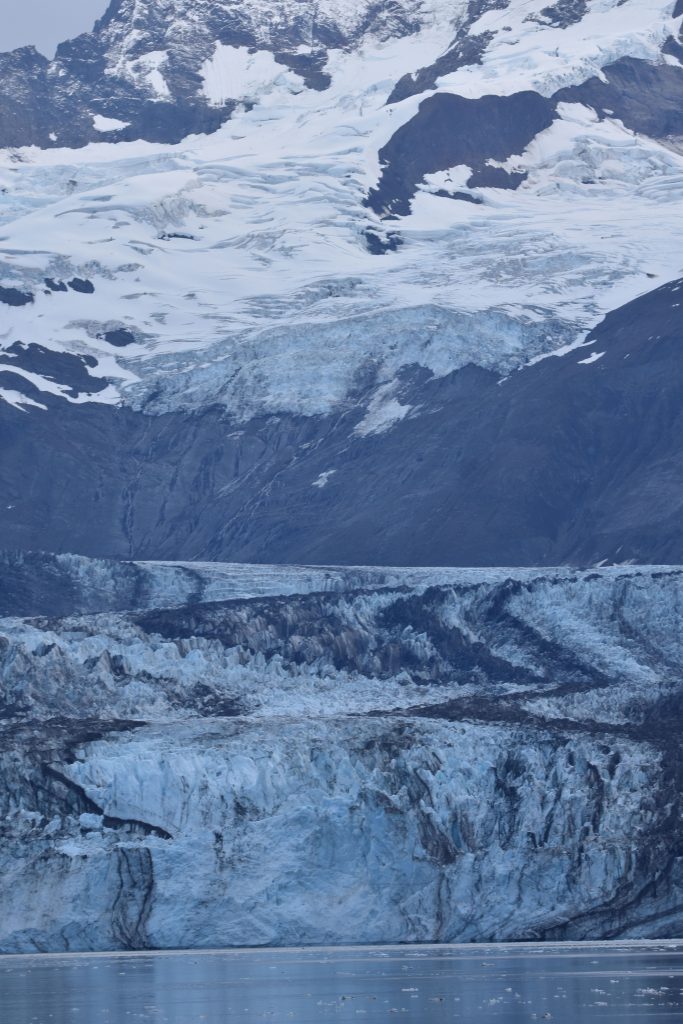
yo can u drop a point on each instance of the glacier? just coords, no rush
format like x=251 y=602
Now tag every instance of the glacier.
x=348 y=270
x=433 y=756
x=305 y=303
x=207 y=248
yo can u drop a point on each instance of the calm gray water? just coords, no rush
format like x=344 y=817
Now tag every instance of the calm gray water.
x=572 y=984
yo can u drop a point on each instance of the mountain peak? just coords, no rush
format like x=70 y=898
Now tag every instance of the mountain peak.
x=142 y=63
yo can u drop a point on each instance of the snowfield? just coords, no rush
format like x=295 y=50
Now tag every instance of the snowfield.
x=240 y=262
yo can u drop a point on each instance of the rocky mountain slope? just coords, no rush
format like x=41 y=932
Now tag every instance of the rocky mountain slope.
x=310 y=329
x=161 y=69
x=466 y=756
x=574 y=459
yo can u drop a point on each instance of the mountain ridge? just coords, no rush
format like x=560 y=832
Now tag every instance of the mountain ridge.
x=332 y=278
x=298 y=314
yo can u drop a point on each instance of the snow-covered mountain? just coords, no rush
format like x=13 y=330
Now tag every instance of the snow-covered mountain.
x=454 y=755
x=310 y=238
x=343 y=288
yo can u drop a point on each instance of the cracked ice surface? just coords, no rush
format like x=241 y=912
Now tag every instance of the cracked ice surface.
x=238 y=260
x=395 y=750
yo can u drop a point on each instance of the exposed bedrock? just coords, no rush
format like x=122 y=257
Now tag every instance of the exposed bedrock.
x=575 y=459
x=496 y=758
x=451 y=130
x=141 y=66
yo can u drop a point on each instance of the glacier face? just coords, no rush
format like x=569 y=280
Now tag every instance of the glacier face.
x=444 y=755
x=348 y=287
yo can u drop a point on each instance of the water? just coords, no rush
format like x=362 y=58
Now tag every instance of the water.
x=572 y=984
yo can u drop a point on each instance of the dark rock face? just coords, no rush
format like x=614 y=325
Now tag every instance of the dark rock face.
x=450 y=130
x=380 y=245
x=78 y=284
x=15 y=297
x=49 y=103
x=71 y=371
x=648 y=98
x=564 y=13
x=26 y=107
x=465 y=49
x=52 y=103
x=563 y=462
x=120 y=337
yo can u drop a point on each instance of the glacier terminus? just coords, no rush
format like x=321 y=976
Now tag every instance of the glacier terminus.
x=341 y=475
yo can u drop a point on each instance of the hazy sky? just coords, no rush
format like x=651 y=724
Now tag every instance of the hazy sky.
x=46 y=22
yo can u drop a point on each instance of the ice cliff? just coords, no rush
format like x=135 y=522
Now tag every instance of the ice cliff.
x=435 y=756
